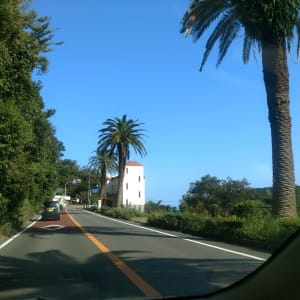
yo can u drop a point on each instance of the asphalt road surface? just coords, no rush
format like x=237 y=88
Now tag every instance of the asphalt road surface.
x=89 y=256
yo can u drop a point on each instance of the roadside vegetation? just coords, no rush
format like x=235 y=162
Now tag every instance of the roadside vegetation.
x=226 y=210
x=29 y=149
x=262 y=233
x=121 y=213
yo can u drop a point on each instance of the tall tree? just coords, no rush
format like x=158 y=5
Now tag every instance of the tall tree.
x=103 y=162
x=29 y=149
x=269 y=25
x=209 y=192
x=67 y=171
x=118 y=136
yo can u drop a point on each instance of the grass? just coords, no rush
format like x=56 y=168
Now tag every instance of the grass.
x=142 y=220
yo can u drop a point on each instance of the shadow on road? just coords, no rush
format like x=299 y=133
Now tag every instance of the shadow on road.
x=55 y=275
x=74 y=271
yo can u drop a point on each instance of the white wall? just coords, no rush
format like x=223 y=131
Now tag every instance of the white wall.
x=111 y=186
x=134 y=186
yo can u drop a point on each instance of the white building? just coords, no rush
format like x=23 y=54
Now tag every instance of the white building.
x=133 y=187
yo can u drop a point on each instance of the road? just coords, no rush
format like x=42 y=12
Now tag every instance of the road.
x=89 y=256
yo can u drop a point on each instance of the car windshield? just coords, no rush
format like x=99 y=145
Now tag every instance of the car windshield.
x=50 y=204
x=148 y=149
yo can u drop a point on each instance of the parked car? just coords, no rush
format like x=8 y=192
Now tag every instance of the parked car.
x=51 y=210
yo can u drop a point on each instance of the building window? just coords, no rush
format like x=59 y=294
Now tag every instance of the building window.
x=139 y=178
x=126 y=170
x=127 y=186
x=139 y=194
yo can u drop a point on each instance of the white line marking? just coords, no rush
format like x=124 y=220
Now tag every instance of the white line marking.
x=224 y=249
x=133 y=225
x=52 y=227
x=17 y=235
x=176 y=236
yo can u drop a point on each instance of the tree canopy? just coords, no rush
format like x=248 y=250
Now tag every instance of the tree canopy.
x=102 y=163
x=29 y=149
x=211 y=194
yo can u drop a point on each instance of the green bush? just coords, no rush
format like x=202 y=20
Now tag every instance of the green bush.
x=250 y=209
x=268 y=232
x=163 y=220
x=122 y=213
x=195 y=224
x=215 y=210
x=264 y=232
x=93 y=208
x=7 y=230
x=250 y=226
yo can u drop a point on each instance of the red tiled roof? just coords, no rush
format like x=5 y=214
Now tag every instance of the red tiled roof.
x=133 y=163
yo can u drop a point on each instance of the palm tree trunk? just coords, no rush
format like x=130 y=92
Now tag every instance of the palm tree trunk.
x=120 y=190
x=276 y=78
x=103 y=183
x=122 y=163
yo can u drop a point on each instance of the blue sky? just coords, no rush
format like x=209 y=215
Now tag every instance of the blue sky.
x=128 y=57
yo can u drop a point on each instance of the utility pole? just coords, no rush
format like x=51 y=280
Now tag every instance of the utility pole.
x=89 y=188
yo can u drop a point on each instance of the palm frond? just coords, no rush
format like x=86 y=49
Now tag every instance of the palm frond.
x=247 y=44
x=231 y=28
x=297 y=25
x=216 y=34
x=261 y=20
x=120 y=134
x=200 y=16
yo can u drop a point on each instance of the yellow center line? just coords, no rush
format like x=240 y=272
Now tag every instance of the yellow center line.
x=136 y=279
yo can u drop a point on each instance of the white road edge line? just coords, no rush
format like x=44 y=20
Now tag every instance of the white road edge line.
x=224 y=249
x=17 y=235
x=176 y=236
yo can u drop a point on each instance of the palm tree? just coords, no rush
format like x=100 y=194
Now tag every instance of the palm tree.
x=117 y=137
x=269 y=25
x=102 y=163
